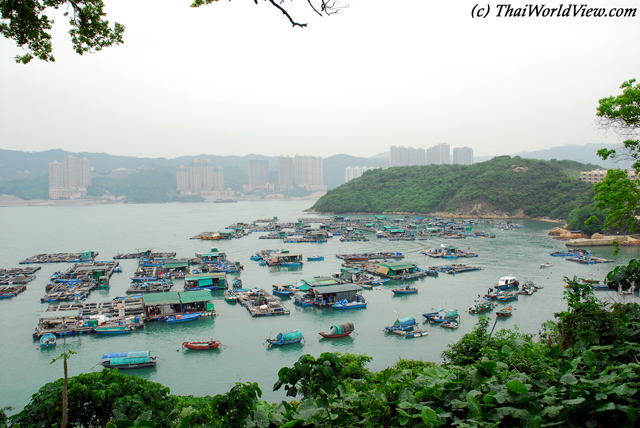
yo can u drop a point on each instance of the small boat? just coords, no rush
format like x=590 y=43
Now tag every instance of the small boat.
x=48 y=340
x=183 y=317
x=441 y=315
x=287 y=338
x=128 y=360
x=450 y=324
x=302 y=299
x=405 y=289
x=507 y=296
x=480 y=307
x=340 y=330
x=203 y=345
x=283 y=290
x=506 y=312
x=402 y=324
x=230 y=296
x=343 y=304
x=315 y=258
x=545 y=265
x=113 y=329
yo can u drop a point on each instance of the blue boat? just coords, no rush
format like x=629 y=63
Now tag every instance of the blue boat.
x=183 y=317
x=402 y=324
x=356 y=304
x=283 y=290
x=115 y=329
x=405 y=289
x=287 y=338
x=48 y=340
x=441 y=315
x=128 y=360
x=315 y=258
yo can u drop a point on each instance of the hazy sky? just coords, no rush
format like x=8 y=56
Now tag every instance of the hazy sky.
x=235 y=78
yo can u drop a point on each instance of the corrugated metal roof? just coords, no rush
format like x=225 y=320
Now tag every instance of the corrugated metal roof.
x=196 y=296
x=336 y=288
x=398 y=265
x=213 y=275
x=166 y=298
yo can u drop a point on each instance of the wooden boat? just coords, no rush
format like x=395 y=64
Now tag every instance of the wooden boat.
x=405 y=289
x=128 y=360
x=203 y=345
x=183 y=317
x=340 y=330
x=507 y=296
x=114 y=329
x=450 y=324
x=48 y=340
x=441 y=315
x=286 y=338
x=283 y=290
x=302 y=299
x=506 y=312
x=480 y=307
x=230 y=296
x=343 y=304
x=402 y=324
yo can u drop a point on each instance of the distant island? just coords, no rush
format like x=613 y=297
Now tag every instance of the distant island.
x=500 y=187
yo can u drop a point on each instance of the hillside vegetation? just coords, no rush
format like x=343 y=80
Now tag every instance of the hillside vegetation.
x=502 y=185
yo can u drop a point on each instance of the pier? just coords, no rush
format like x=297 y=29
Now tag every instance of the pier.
x=259 y=303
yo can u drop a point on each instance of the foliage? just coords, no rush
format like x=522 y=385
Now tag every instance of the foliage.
x=503 y=184
x=617 y=193
x=620 y=196
x=3 y=415
x=94 y=398
x=624 y=277
x=587 y=322
x=589 y=219
x=27 y=189
x=28 y=24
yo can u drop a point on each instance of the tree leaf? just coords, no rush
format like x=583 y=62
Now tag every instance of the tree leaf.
x=569 y=379
x=517 y=387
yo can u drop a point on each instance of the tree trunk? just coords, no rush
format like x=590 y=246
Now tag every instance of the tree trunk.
x=64 y=396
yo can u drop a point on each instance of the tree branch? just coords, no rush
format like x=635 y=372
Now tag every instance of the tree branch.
x=286 y=14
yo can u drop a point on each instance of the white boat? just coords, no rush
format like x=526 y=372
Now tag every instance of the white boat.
x=545 y=265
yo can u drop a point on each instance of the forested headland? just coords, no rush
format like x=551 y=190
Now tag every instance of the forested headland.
x=501 y=186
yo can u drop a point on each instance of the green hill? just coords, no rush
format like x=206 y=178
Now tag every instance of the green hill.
x=502 y=185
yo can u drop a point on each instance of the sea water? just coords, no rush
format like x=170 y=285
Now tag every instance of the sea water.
x=244 y=355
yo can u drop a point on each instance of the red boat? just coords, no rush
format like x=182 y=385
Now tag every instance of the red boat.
x=341 y=330
x=209 y=344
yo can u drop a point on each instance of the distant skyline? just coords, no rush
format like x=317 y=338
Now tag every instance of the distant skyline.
x=234 y=78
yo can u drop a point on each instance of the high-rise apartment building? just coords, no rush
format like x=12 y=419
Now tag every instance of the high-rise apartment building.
x=439 y=154
x=352 y=172
x=285 y=173
x=69 y=178
x=258 y=174
x=406 y=156
x=463 y=156
x=309 y=172
x=200 y=177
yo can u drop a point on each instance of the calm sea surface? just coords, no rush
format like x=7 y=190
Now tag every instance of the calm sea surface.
x=244 y=356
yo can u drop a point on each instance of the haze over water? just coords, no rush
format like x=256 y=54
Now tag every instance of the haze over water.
x=244 y=356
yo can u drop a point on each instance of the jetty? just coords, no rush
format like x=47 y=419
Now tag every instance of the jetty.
x=456 y=268
x=7 y=291
x=83 y=256
x=142 y=253
x=259 y=303
x=18 y=275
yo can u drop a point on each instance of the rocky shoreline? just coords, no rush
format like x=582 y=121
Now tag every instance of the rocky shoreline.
x=577 y=240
